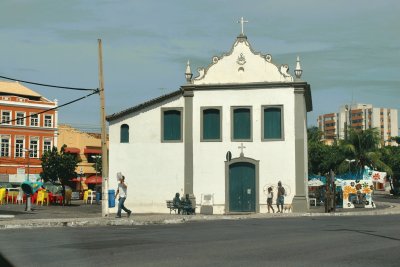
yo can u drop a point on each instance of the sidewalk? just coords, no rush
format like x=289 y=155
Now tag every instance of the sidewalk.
x=84 y=215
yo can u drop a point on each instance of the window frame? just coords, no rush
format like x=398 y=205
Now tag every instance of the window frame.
x=8 y=154
x=263 y=107
x=9 y=117
x=202 y=109
x=120 y=134
x=34 y=151
x=32 y=118
x=44 y=145
x=163 y=110
x=23 y=119
x=45 y=120
x=17 y=153
x=233 y=108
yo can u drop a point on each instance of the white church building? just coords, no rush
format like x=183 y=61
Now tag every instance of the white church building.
x=224 y=137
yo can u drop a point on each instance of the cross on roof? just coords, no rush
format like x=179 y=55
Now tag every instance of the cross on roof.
x=242 y=21
x=241 y=149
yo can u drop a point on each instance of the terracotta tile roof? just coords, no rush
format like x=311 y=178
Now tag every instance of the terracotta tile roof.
x=17 y=89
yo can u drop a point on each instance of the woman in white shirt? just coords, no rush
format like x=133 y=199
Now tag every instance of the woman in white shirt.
x=269 y=199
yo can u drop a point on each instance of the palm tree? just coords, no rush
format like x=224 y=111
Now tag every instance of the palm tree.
x=363 y=147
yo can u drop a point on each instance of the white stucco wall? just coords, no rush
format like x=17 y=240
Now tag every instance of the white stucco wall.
x=276 y=157
x=153 y=170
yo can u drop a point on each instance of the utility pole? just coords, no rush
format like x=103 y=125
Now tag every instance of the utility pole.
x=104 y=153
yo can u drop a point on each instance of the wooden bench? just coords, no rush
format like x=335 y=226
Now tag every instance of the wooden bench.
x=171 y=207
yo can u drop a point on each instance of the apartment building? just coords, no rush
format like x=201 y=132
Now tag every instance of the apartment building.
x=28 y=127
x=359 y=116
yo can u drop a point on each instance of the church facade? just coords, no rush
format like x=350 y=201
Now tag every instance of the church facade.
x=224 y=137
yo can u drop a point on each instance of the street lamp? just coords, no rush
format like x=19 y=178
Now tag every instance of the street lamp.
x=96 y=158
x=350 y=161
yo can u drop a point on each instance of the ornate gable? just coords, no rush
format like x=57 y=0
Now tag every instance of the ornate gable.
x=242 y=65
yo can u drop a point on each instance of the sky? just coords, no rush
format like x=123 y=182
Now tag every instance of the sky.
x=349 y=49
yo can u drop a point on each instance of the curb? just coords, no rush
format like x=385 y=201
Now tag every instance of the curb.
x=160 y=219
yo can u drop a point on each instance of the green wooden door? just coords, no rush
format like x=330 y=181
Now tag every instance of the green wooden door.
x=242 y=185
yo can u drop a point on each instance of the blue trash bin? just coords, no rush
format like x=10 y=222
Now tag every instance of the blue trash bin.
x=111 y=198
x=98 y=197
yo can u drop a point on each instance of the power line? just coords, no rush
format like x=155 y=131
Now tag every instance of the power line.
x=49 y=85
x=44 y=111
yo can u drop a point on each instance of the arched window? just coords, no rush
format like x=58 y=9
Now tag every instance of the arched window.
x=124 y=133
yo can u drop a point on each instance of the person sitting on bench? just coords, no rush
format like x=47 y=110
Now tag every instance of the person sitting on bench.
x=177 y=203
x=187 y=205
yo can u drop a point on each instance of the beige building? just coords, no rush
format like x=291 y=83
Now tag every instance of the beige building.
x=86 y=147
x=359 y=116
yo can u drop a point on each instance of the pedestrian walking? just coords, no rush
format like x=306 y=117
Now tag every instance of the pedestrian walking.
x=122 y=192
x=280 y=197
x=269 y=199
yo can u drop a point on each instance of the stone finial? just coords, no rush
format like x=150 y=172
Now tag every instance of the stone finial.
x=298 y=71
x=188 y=72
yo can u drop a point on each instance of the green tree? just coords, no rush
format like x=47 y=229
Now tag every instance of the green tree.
x=363 y=147
x=391 y=157
x=321 y=157
x=58 y=166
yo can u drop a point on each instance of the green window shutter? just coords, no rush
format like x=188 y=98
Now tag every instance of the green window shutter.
x=211 y=124
x=241 y=123
x=272 y=123
x=172 y=125
x=124 y=138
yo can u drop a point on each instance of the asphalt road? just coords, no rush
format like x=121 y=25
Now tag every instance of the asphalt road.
x=304 y=241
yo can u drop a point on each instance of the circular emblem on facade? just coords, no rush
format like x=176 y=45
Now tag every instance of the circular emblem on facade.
x=215 y=59
x=268 y=57
x=241 y=59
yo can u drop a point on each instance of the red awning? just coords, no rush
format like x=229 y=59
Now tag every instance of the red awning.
x=93 y=180
x=77 y=179
x=72 y=150
x=92 y=151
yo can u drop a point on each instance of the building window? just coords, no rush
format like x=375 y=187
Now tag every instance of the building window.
x=211 y=124
x=5 y=146
x=47 y=145
x=34 y=119
x=124 y=138
x=6 y=117
x=48 y=121
x=33 y=147
x=19 y=147
x=20 y=118
x=272 y=120
x=171 y=125
x=241 y=128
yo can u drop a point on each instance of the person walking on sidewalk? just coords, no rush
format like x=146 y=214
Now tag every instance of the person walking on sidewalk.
x=122 y=191
x=281 y=197
x=269 y=199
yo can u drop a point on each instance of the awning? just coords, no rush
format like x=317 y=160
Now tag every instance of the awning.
x=92 y=151
x=77 y=179
x=72 y=150
x=94 y=180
